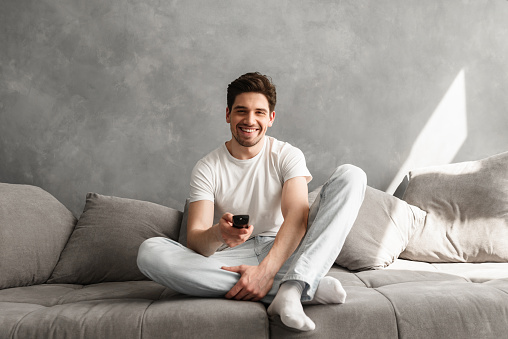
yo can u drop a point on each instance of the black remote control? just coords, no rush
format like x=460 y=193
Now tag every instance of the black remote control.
x=241 y=221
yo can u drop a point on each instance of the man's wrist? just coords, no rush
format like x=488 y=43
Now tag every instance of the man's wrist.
x=270 y=266
x=216 y=231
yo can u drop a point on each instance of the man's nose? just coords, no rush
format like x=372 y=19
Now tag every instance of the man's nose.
x=250 y=119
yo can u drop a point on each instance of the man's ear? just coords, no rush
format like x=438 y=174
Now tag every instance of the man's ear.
x=228 y=115
x=272 y=118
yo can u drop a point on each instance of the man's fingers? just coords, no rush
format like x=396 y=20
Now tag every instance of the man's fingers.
x=233 y=292
x=237 y=288
x=235 y=269
x=243 y=293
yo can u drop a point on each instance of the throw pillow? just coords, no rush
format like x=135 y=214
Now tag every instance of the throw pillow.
x=467 y=205
x=381 y=231
x=104 y=245
x=34 y=227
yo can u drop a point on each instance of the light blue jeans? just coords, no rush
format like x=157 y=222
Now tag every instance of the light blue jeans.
x=331 y=217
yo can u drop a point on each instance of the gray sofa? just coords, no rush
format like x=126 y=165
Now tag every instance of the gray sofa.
x=433 y=265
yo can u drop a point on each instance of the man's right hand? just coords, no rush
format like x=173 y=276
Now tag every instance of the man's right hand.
x=230 y=235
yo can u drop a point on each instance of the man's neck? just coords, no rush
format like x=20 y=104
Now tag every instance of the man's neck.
x=244 y=153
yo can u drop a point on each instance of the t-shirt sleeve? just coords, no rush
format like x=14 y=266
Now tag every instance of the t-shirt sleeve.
x=201 y=183
x=293 y=164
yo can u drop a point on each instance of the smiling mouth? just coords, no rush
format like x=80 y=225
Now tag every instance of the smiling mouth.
x=248 y=130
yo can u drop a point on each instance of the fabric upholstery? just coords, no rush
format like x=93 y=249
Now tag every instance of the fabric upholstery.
x=448 y=310
x=34 y=227
x=206 y=318
x=366 y=314
x=381 y=231
x=467 y=205
x=474 y=272
x=104 y=245
x=408 y=303
x=380 y=303
x=134 y=309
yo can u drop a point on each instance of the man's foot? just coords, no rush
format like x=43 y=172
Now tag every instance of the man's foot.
x=287 y=304
x=329 y=291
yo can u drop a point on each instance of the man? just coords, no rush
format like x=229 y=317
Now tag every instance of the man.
x=282 y=257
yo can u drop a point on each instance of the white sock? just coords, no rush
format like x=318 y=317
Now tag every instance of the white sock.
x=287 y=304
x=329 y=291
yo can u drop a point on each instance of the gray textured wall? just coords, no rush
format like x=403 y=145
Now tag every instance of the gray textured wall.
x=123 y=97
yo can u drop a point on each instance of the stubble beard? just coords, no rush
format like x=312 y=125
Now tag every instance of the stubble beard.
x=245 y=143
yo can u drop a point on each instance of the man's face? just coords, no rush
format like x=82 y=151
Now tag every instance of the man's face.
x=249 y=118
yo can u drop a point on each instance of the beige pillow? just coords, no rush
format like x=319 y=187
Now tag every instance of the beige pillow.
x=381 y=231
x=467 y=205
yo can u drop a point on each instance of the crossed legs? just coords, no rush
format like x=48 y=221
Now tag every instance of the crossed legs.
x=302 y=278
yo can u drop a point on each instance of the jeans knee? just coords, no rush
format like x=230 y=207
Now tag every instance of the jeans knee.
x=145 y=254
x=351 y=175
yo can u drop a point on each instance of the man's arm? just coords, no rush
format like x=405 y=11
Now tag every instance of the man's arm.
x=256 y=281
x=204 y=238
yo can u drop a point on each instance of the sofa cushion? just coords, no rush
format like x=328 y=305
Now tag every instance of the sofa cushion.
x=381 y=231
x=34 y=227
x=131 y=309
x=467 y=205
x=105 y=242
x=447 y=309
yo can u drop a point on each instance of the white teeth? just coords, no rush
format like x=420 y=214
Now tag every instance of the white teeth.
x=248 y=130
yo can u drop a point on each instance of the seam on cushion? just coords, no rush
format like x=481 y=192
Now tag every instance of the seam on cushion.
x=393 y=310
x=60 y=299
x=20 y=320
x=143 y=319
x=438 y=270
x=363 y=281
x=162 y=292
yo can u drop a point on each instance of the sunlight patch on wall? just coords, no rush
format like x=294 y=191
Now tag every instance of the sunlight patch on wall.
x=443 y=135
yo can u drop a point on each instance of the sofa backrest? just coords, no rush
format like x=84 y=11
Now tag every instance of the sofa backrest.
x=34 y=228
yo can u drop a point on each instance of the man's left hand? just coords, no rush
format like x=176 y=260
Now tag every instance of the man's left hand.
x=255 y=282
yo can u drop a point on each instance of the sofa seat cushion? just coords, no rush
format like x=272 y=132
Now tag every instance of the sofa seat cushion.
x=366 y=314
x=379 y=302
x=408 y=303
x=131 y=309
x=58 y=294
x=474 y=272
x=448 y=309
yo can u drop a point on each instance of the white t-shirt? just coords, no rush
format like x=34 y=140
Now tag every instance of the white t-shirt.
x=252 y=186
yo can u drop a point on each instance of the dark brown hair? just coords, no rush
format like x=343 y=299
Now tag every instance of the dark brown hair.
x=252 y=82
